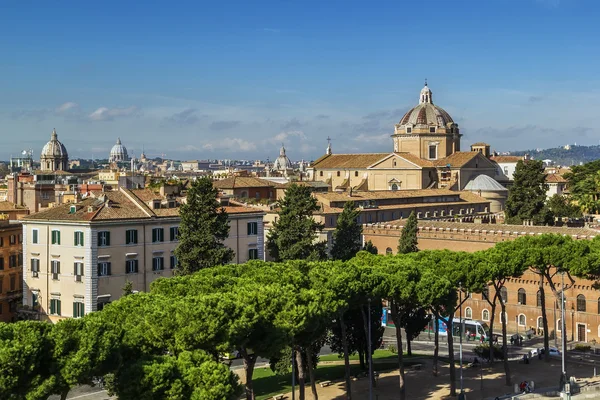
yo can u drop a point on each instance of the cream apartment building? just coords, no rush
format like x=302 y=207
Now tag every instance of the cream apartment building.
x=78 y=257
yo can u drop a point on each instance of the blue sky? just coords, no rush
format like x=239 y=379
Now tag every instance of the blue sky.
x=195 y=80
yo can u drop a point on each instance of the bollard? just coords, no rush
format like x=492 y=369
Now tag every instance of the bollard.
x=532 y=385
x=517 y=388
x=594 y=371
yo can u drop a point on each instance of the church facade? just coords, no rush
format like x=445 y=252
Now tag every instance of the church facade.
x=426 y=155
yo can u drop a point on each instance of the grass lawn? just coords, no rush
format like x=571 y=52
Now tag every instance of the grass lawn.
x=267 y=384
x=377 y=355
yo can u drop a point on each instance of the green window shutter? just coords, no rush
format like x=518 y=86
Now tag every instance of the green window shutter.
x=58 y=307
x=53 y=237
x=52 y=306
x=108 y=268
x=135 y=240
x=154 y=235
x=74 y=310
x=35 y=236
x=82 y=309
x=57 y=237
x=135 y=265
x=99 y=238
x=58 y=267
x=108 y=238
x=249 y=228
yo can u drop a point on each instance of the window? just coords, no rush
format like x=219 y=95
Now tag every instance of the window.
x=173 y=262
x=539 y=300
x=78 y=309
x=55 y=237
x=1 y=241
x=1 y=263
x=12 y=261
x=131 y=266
x=131 y=236
x=158 y=235
x=394 y=186
x=388 y=250
x=504 y=294
x=355 y=173
x=55 y=306
x=1 y=282
x=522 y=296
x=506 y=171
x=78 y=271
x=55 y=267
x=78 y=238
x=338 y=173
x=598 y=305
x=35 y=267
x=432 y=152
x=103 y=238
x=174 y=233
x=558 y=325
x=103 y=268
x=158 y=263
x=252 y=228
x=408 y=130
x=13 y=282
x=432 y=129
x=13 y=239
x=394 y=163
x=522 y=320
x=1 y=308
x=581 y=303
x=35 y=299
x=468 y=313
x=102 y=302
x=253 y=254
x=485 y=315
x=35 y=233
x=540 y=322
x=320 y=173
x=20 y=260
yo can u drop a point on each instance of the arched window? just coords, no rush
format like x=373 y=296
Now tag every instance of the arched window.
x=539 y=298
x=468 y=313
x=394 y=186
x=485 y=315
x=540 y=322
x=558 y=325
x=598 y=305
x=522 y=320
x=388 y=250
x=522 y=296
x=504 y=294
x=581 y=303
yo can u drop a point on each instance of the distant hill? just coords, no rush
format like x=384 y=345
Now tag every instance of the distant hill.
x=574 y=155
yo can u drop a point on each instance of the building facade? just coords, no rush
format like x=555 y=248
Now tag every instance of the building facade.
x=79 y=256
x=11 y=268
x=54 y=155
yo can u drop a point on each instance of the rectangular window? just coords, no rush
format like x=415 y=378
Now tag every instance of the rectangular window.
x=338 y=173
x=55 y=266
x=158 y=263
x=1 y=263
x=20 y=238
x=1 y=308
x=35 y=233
x=131 y=236
x=174 y=233
x=173 y=262
x=103 y=268
x=101 y=304
x=78 y=309
x=432 y=129
x=320 y=173
x=78 y=238
x=78 y=271
x=35 y=267
x=158 y=235
x=13 y=282
x=104 y=238
x=12 y=261
x=13 y=239
x=35 y=299
x=1 y=282
x=55 y=237
x=131 y=266
x=54 y=306
x=1 y=241
x=20 y=260
x=408 y=130
x=252 y=228
x=432 y=152
x=253 y=254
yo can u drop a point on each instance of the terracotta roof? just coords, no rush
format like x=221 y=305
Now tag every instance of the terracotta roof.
x=457 y=159
x=506 y=159
x=416 y=160
x=387 y=194
x=8 y=206
x=555 y=178
x=242 y=182
x=480 y=144
x=242 y=210
x=359 y=160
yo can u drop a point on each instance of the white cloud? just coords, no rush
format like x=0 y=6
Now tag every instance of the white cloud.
x=382 y=138
x=286 y=135
x=65 y=107
x=230 y=144
x=107 y=114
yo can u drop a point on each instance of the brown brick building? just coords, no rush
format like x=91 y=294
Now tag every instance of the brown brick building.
x=11 y=268
x=582 y=310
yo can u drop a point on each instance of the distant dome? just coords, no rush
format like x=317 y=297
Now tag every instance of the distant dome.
x=426 y=113
x=283 y=162
x=484 y=183
x=54 y=156
x=118 y=153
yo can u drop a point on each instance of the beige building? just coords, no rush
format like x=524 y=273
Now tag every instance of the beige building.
x=54 y=156
x=77 y=257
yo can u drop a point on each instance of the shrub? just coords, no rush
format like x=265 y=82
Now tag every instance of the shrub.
x=483 y=351
x=583 y=347
x=392 y=348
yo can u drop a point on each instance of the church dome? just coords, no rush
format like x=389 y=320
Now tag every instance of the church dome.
x=426 y=113
x=484 y=183
x=54 y=148
x=118 y=152
x=283 y=162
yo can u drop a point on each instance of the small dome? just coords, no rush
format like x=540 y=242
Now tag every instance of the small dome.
x=283 y=162
x=54 y=148
x=426 y=113
x=484 y=183
x=118 y=152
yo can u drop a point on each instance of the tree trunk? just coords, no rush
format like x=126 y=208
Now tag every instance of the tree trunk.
x=504 y=344
x=408 y=347
x=367 y=352
x=361 y=358
x=346 y=358
x=436 y=346
x=301 y=373
x=402 y=382
x=451 y=356
x=545 y=321
x=64 y=394
x=491 y=340
x=311 y=372
x=249 y=361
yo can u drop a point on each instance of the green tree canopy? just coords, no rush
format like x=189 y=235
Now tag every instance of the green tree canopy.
x=561 y=207
x=527 y=196
x=408 y=239
x=294 y=233
x=203 y=229
x=584 y=185
x=347 y=234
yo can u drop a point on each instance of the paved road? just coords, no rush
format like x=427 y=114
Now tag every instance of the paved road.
x=85 y=393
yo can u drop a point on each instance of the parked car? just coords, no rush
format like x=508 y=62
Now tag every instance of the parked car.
x=554 y=352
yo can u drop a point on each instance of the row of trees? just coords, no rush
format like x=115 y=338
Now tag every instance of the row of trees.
x=168 y=341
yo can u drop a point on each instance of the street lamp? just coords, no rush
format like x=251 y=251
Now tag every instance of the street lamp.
x=460 y=332
x=563 y=379
x=370 y=353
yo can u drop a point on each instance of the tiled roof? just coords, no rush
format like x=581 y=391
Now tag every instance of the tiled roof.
x=416 y=160
x=457 y=159
x=241 y=210
x=349 y=160
x=506 y=159
x=8 y=206
x=555 y=178
x=242 y=182
x=387 y=194
x=480 y=144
